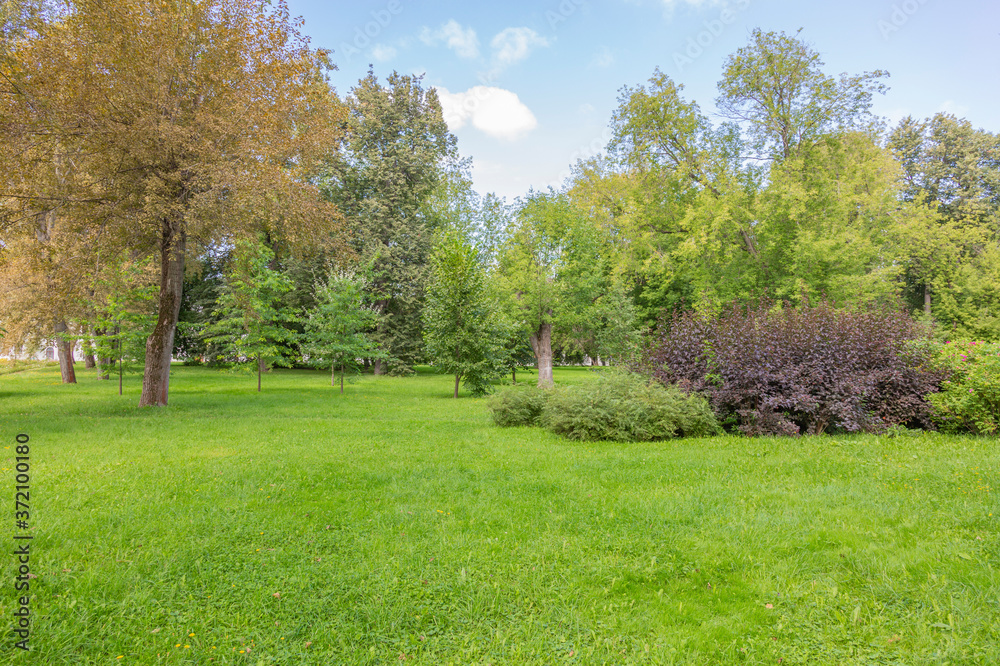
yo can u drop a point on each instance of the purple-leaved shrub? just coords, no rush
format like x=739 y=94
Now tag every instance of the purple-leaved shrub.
x=804 y=370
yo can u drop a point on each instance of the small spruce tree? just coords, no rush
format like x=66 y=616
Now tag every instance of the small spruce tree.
x=249 y=329
x=336 y=328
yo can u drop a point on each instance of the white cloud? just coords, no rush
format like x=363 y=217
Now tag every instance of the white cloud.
x=603 y=58
x=495 y=111
x=954 y=108
x=383 y=53
x=514 y=45
x=461 y=40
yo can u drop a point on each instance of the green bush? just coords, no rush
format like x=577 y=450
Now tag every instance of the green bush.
x=518 y=406
x=627 y=407
x=969 y=399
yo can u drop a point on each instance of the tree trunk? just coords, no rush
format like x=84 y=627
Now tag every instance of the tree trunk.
x=65 y=347
x=377 y=365
x=927 y=300
x=160 y=345
x=457 y=378
x=88 y=354
x=333 y=374
x=105 y=364
x=541 y=344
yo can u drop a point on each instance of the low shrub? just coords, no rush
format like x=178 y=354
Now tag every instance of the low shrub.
x=969 y=400
x=518 y=406
x=786 y=371
x=627 y=407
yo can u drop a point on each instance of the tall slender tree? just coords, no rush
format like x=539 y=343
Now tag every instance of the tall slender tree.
x=464 y=328
x=397 y=144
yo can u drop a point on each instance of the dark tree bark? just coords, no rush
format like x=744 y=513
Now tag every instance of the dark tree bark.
x=88 y=354
x=65 y=347
x=160 y=345
x=541 y=344
x=457 y=378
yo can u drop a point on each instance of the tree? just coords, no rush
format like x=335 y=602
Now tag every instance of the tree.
x=550 y=272
x=463 y=327
x=951 y=236
x=392 y=162
x=335 y=329
x=249 y=329
x=193 y=121
x=790 y=197
x=390 y=165
x=198 y=306
x=124 y=314
x=774 y=88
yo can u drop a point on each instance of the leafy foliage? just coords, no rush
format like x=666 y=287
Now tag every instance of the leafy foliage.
x=627 y=407
x=249 y=329
x=950 y=247
x=125 y=319
x=391 y=165
x=198 y=309
x=166 y=123
x=464 y=331
x=617 y=406
x=969 y=399
x=335 y=329
x=520 y=406
x=785 y=371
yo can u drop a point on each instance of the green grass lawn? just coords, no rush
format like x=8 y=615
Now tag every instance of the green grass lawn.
x=395 y=524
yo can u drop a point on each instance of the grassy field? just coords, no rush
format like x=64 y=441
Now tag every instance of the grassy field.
x=397 y=525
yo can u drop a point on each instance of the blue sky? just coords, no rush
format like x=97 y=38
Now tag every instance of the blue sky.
x=529 y=87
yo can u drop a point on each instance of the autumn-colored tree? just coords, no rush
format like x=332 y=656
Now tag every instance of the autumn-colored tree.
x=196 y=121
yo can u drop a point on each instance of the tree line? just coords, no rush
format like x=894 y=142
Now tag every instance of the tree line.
x=182 y=181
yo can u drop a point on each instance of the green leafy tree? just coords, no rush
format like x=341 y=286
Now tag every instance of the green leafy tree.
x=774 y=88
x=950 y=240
x=463 y=327
x=336 y=327
x=251 y=314
x=125 y=320
x=528 y=273
x=198 y=307
x=791 y=196
x=397 y=144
